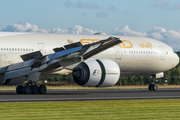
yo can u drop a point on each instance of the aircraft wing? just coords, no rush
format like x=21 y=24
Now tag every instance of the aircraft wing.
x=71 y=54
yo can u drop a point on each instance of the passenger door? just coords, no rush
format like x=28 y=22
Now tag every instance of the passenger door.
x=41 y=47
x=118 y=54
x=162 y=53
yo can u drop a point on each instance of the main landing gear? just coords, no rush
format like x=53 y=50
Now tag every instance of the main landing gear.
x=31 y=88
x=153 y=86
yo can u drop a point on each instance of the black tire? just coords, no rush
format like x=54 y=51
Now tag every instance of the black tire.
x=155 y=87
x=150 y=87
x=42 y=89
x=19 y=89
x=27 y=89
x=35 y=89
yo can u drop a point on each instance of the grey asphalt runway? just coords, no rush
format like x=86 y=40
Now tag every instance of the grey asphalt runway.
x=82 y=95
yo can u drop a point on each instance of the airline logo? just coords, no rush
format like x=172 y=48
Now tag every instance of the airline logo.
x=124 y=44
x=96 y=72
x=146 y=45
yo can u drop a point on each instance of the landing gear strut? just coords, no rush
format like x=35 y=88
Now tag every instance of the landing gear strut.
x=31 y=88
x=153 y=86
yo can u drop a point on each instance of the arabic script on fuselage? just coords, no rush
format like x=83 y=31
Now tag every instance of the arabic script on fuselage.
x=146 y=45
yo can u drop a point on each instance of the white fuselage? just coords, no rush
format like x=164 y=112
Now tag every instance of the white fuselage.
x=135 y=55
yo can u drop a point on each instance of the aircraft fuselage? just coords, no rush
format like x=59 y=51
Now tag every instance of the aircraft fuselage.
x=135 y=55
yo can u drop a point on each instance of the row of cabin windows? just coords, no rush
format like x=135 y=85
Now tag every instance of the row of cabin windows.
x=16 y=49
x=141 y=52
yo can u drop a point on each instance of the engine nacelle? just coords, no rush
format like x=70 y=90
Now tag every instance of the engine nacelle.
x=96 y=73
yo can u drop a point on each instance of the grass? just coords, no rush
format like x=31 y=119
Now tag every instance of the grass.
x=13 y=88
x=156 y=109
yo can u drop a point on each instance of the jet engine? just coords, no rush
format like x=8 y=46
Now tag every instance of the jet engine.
x=96 y=73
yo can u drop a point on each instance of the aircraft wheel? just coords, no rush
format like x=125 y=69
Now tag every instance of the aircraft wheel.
x=150 y=87
x=155 y=87
x=19 y=89
x=42 y=89
x=27 y=89
x=35 y=89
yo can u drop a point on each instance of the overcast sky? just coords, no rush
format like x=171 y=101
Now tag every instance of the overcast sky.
x=158 y=19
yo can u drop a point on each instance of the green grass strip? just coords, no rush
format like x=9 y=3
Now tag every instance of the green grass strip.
x=156 y=109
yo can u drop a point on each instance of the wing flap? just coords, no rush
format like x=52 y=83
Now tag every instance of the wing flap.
x=32 y=55
x=20 y=65
x=17 y=73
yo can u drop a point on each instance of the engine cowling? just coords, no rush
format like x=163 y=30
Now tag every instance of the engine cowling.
x=96 y=73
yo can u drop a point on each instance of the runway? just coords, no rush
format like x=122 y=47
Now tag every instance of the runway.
x=82 y=95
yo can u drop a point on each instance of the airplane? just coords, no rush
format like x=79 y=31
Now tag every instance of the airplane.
x=93 y=60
